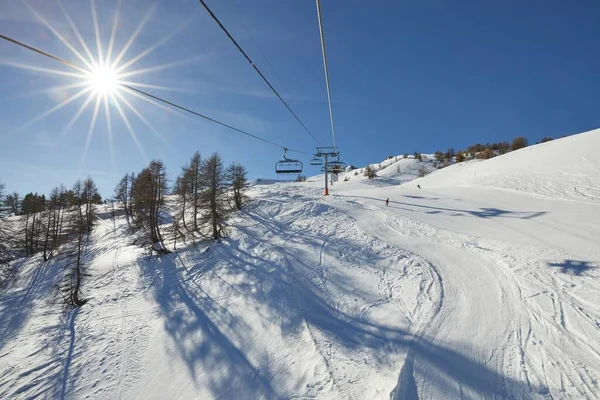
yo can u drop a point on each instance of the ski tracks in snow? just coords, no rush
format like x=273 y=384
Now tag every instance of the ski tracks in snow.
x=406 y=387
x=319 y=276
x=123 y=330
x=465 y=302
x=344 y=248
x=538 y=345
x=124 y=321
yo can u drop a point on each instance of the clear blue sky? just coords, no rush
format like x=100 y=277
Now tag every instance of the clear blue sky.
x=405 y=76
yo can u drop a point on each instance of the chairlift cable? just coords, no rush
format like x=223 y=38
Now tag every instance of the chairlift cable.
x=262 y=53
x=322 y=34
x=44 y=53
x=204 y=116
x=214 y=17
x=141 y=92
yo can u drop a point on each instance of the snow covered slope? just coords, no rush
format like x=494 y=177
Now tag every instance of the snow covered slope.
x=297 y=302
x=567 y=168
x=394 y=170
x=455 y=290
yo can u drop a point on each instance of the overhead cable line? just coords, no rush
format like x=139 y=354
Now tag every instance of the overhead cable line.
x=207 y=118
x=141 y=92
x=320 y=17
x=256 y=68
x=42 y=52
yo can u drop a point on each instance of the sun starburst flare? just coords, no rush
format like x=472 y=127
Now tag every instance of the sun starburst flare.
x=102 y=81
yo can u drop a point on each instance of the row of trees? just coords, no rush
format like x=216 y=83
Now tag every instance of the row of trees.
x=416 y=156
x=60 y=222
x=206 y=192
x=51 y=225
x=44 y=228
x=482 y=151
x=5 y=255
x=86 y=196
x=6 y=272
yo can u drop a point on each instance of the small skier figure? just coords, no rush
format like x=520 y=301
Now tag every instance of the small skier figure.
x=419 y=186
x=387 y=201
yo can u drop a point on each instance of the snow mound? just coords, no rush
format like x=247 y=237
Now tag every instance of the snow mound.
x=566 y=168
x=394 y=170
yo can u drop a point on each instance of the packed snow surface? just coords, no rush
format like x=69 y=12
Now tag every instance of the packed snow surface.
x=484 y=283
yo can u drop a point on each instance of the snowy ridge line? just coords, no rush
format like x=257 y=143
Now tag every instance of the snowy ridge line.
x=565 y=168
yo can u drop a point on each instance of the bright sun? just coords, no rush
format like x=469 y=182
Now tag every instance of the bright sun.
x=103 y=80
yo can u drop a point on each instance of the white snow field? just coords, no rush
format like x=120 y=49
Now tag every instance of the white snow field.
x=484 y=283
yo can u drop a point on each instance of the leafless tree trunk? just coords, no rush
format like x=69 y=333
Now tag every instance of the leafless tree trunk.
x=215 y=194
x=148 y=195
x=195 y=185
x=236 y=174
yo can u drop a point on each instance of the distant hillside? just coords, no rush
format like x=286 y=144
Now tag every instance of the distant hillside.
x=542 y=169
x=567 y=168
x=394 y=170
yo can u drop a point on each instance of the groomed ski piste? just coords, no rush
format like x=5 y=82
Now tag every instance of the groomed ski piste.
x=484 y=283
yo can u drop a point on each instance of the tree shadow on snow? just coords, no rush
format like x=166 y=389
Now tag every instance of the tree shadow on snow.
x=573 y=267
x=16 y=305
x=56 y=377
x=484 y=212
x=452 y=367
x=193 y=320
x=381 y=182
x=421 y=197
x=278 y=285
